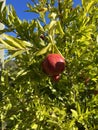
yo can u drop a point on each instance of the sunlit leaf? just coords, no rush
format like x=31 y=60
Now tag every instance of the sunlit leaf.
x=12 y=41
x=7 y=46
x=52 y=24
x=74 y=113
x=44 y=50
x=59 y=28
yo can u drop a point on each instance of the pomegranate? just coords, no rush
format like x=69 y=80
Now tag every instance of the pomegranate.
x=56 y=78
x=53 y=65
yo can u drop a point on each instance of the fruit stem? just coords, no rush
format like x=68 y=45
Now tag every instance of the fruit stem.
x=52 y=43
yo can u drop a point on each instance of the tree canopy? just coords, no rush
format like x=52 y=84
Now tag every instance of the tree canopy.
x=30 y=99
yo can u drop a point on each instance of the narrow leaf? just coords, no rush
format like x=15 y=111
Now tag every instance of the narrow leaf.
x=13 y=41
x=74 y=113
x=40 y=26
x=7 y=46
x=15 y=54
x=52 y=24
x=59 y=28
x=43 y=51
x=57 y=50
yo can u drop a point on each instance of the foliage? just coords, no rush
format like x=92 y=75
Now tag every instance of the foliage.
x=30 y=100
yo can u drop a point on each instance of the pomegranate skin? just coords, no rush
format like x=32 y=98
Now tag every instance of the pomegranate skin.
x=56 y=78
x=53 y=64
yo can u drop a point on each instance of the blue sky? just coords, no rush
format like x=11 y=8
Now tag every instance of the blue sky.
x=20 y=7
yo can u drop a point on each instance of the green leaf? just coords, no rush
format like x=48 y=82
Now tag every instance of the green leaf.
x=52 y=24
x=78 y=108
x=72 y=123
x=97 y=39
x=74 y=114
x=31 y=9
x=7 y=46
x=59 y=28
x=89 y=5
x=14 y=55
x=21 y=73
x=12 y=41
x=56 y=50
x=52 y=15
x=40 y=26
x=54 y=123
x=44 y=50
x=34 y=126
x=2 y=4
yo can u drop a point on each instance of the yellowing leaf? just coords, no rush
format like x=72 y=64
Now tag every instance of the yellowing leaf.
x=40 y=26
x=52 y=15
x=42 y=10
x=12 y=41
x=74 y=113
x=52 y=24
x=97 y=39
x=89 y=5
x=59 y=28
x=34 y=126
x=7 y=46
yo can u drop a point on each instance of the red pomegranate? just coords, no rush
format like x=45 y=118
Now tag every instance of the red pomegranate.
x=55 y=78
x=53 y=65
